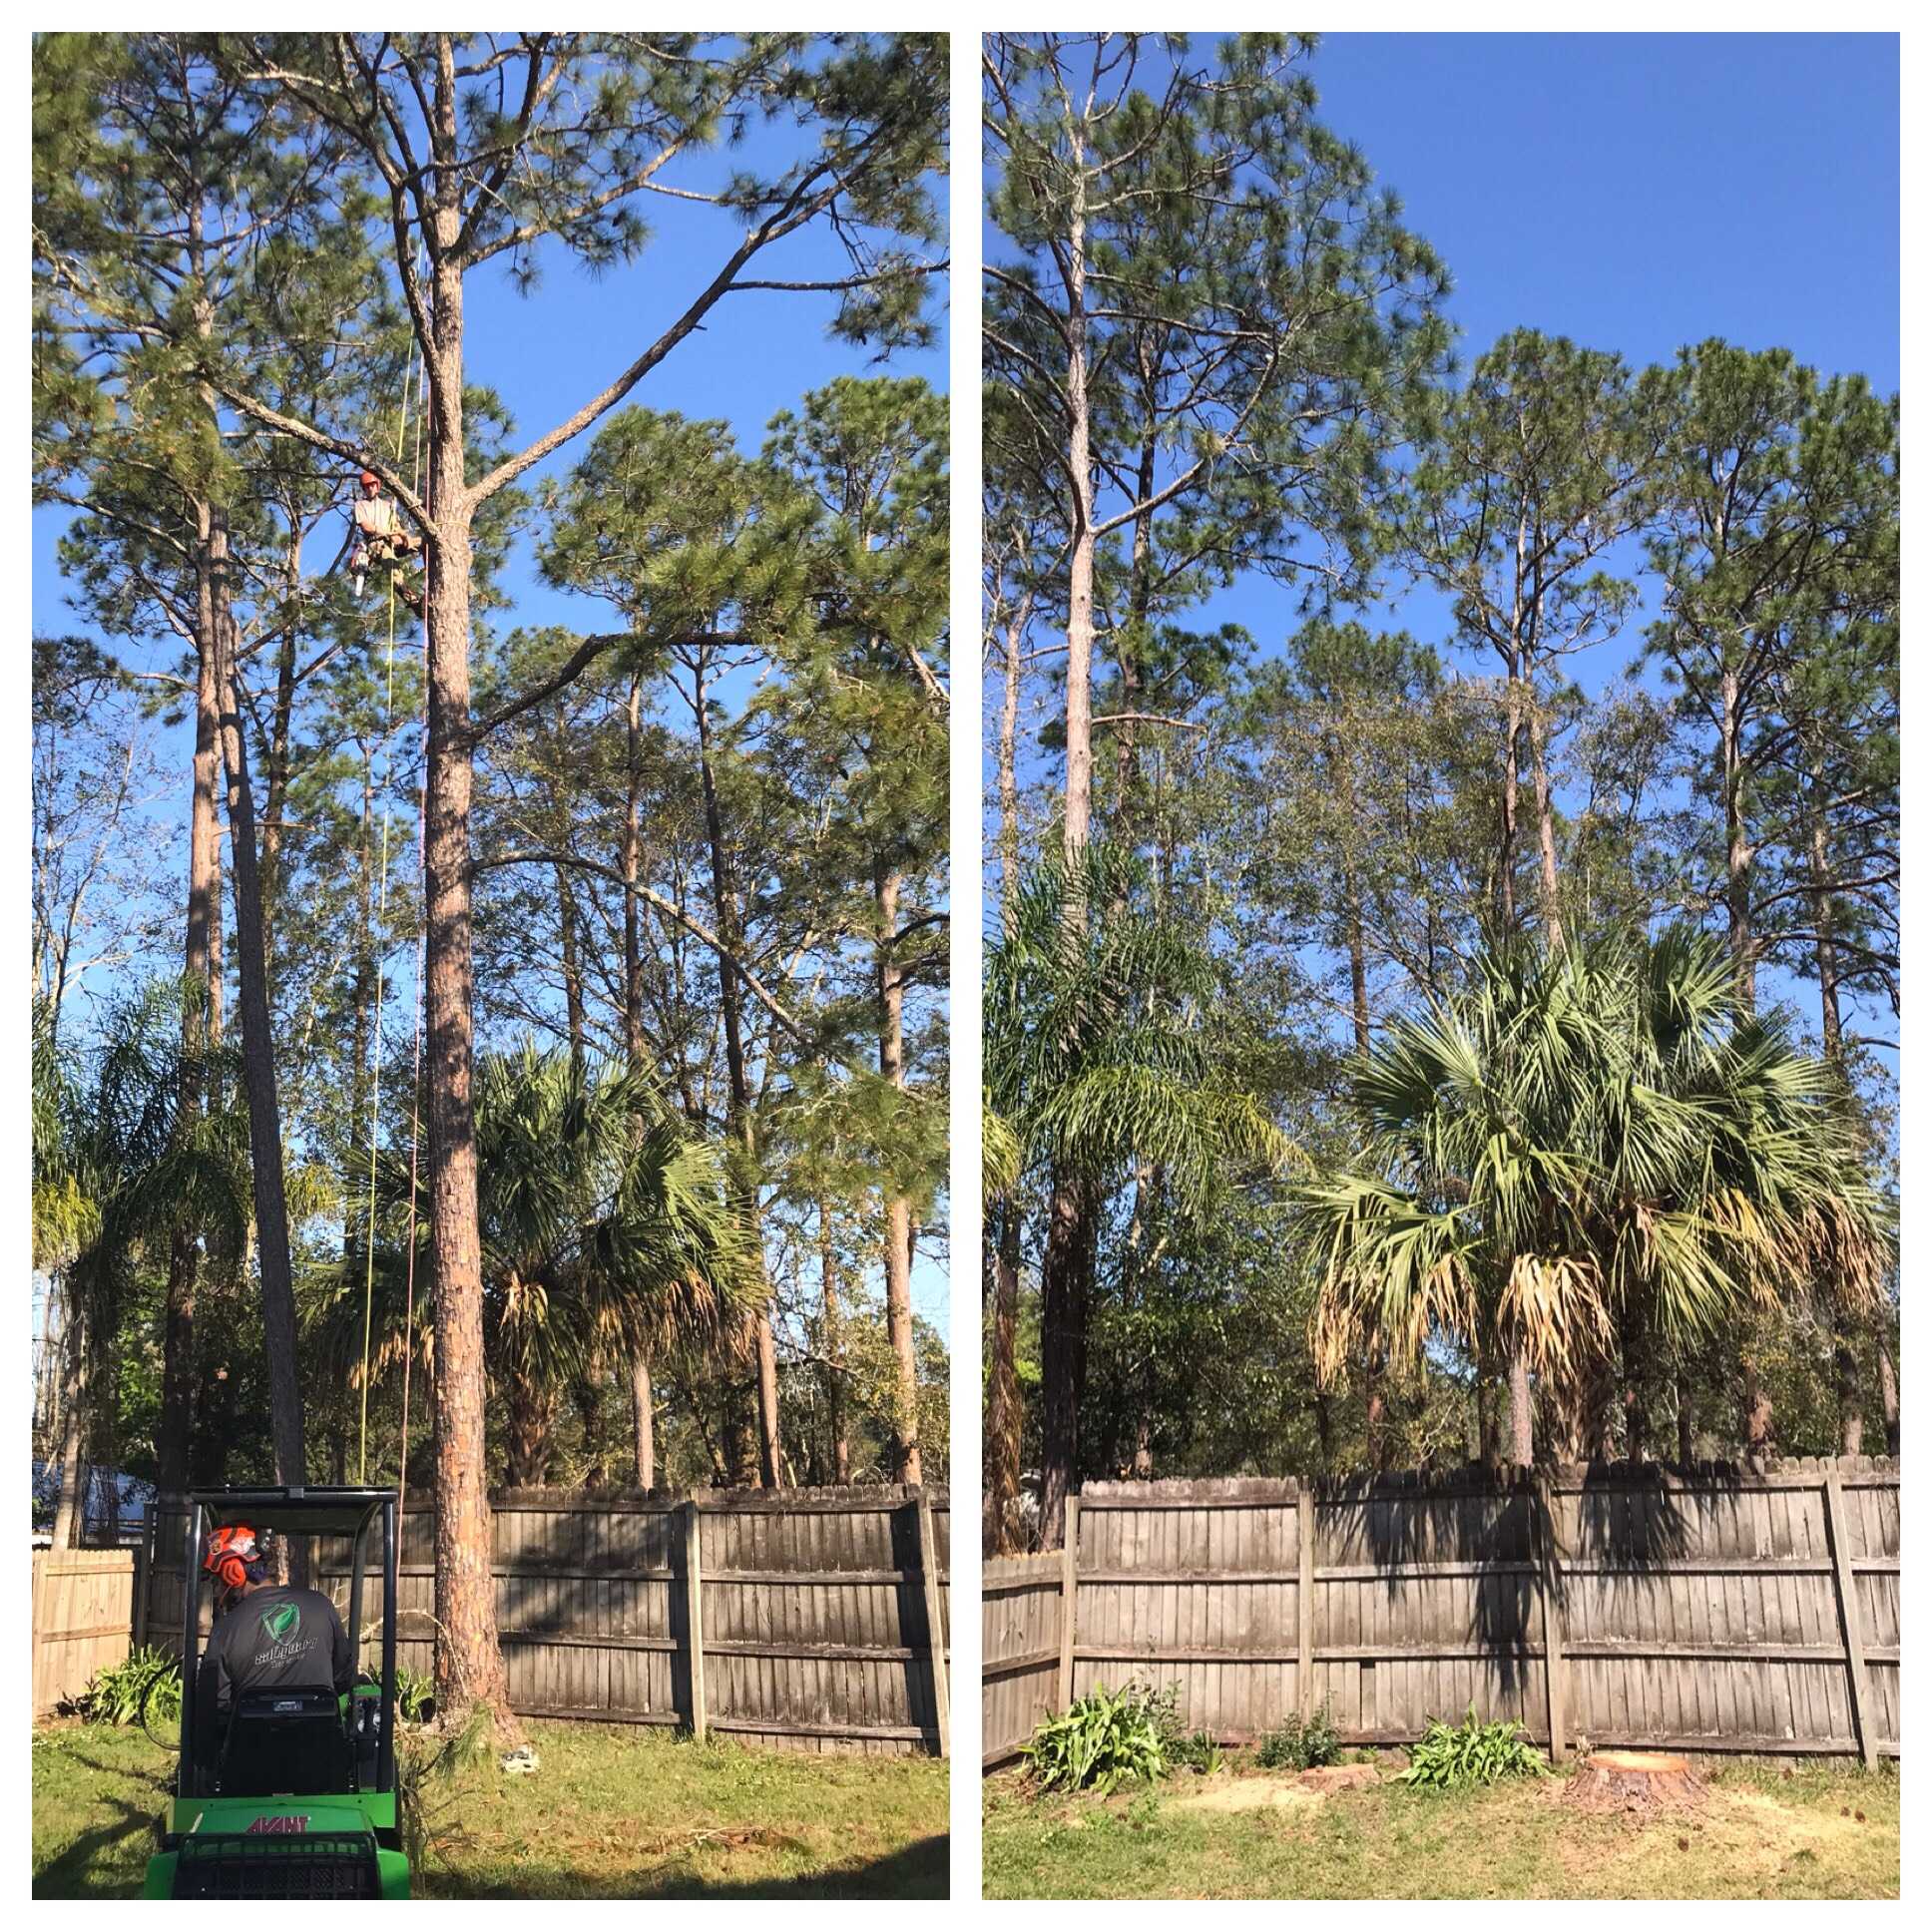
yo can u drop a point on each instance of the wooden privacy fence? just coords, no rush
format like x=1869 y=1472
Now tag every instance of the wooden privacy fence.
x=1714 y=1611
x=806 y=1619
x=80 y=1618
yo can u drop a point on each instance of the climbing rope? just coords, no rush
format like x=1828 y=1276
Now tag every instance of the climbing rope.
x=382 y=910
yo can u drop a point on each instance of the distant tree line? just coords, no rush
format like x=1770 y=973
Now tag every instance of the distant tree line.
x=1409 y=1047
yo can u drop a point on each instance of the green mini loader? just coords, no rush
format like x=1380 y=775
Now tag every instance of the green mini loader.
x=300 y=1798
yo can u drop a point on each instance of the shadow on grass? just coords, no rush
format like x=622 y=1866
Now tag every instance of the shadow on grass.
x=917 y=1870
x=74 y=1873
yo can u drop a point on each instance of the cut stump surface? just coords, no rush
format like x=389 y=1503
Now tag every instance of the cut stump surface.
x=1647 y=1782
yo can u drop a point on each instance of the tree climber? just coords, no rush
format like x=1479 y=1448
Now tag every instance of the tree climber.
x=378 y=537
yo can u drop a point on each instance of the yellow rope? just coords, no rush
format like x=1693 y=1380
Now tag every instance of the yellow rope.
x=382 y=913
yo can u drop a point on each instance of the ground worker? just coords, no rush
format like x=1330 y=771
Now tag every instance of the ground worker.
x=267 y=1637
x=380 y=536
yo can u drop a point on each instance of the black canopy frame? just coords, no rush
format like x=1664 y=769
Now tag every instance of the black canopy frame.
x=290 y=1512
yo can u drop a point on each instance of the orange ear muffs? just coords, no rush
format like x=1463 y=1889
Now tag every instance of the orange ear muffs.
x=232 y=1572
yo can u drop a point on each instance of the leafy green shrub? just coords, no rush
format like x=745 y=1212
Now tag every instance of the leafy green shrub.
x=113 y=1695
x=1452 y=1755
x=1300 y=1744
x=1106 y=1739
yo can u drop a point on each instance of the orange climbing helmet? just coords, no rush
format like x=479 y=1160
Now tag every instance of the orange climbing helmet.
x=369 y=480
x=232 y=1557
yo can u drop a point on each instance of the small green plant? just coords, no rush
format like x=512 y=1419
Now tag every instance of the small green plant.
x=1300 y=1744
x=1106 y=1739
x=1183 y=1750
x=114 y=1696
x=1192 y=1750
x=415 y=1694
x=1452 y=1755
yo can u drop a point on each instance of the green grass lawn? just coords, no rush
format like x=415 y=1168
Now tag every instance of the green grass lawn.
x=617 y=1812
x=1761 y=1834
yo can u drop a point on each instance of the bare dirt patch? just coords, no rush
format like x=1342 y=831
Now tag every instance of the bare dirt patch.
x=1268 y=1794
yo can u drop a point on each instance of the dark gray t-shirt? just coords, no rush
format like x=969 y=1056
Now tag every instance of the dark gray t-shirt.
x=277 y=1638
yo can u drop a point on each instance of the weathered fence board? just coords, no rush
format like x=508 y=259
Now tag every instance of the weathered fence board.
x=80 y=1619
x=811 y=1609
x=1707 y=1611
x=1020 y=1626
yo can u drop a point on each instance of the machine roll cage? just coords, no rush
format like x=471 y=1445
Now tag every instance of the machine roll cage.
x=332 y=1511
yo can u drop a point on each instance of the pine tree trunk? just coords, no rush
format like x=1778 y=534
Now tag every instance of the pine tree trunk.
x=1003 y=1418
x=258 y=1058
x=1077 y=810
x=1888 y=1389
x=1851 y=1412
x=1002 y=1230
x=573 y=970
x=1063 y=1319
x=1506 y=843
x=841 y=1447
x=1546 y=827
x=738 y=1124
x=907 y=1463
x=1737 y=848
x=200 y=1024
x=644 y=1425
x=469 y=1656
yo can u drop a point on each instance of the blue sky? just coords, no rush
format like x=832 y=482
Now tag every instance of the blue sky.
x=546 y=352
x=1636 y=193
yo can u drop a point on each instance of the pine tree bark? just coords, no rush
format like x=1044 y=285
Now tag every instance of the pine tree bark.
x=469 y=1655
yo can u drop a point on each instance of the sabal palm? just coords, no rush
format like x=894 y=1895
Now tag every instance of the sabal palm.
x=1586 y=1141
x=606 y=1227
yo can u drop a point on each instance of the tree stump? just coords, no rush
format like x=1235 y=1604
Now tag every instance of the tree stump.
x=1645 y=1782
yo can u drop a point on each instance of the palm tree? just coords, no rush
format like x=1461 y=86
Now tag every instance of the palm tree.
x=1586 y=1145
x=606 y=1231
x=115 y=1167
x=1099 y=1060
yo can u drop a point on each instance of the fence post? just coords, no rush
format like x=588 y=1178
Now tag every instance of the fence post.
x=694 y=1616
x=1849 y=1620
x=1305 y=1596
x=1549 y=1550
x=1068 y=1579
x=935 y=1624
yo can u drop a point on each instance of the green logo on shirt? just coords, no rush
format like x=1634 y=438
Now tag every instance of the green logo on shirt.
x=285 y=1620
